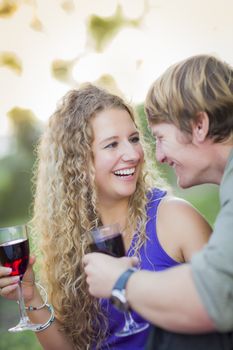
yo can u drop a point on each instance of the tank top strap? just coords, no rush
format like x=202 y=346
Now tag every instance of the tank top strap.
x=153 y=252
x=154 y=198
x=152 y=255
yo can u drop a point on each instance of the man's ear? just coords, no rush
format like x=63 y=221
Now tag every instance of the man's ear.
x=200 y=127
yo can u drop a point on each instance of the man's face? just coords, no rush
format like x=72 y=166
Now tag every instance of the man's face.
x=178 y=151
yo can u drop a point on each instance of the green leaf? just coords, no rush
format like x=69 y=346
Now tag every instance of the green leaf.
x=11 y=61
x=36 y=24
x=8 y=8
x=61 y=69
x=25 y=126
x=103 y=29
x=68 y=6
x=21 y=116
x=108 y=82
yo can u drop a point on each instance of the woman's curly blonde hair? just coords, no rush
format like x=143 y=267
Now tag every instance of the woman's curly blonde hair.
x=66 y=208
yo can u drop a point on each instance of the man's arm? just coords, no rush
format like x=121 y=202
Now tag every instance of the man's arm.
x=169 y=299
x=212 y=267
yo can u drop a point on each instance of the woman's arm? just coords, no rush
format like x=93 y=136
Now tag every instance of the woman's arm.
x=51 y=338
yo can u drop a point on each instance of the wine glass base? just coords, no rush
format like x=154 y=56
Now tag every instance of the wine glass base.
x=24 y=327
x=132 y=328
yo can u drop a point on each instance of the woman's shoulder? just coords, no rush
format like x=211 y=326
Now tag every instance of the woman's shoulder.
x=181 y=212
x=179 y=207
x=182 y=224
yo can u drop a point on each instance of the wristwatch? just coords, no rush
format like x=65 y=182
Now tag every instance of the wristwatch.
x=118 y=297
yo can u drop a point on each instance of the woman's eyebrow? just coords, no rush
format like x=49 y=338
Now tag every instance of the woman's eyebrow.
x=108 y=139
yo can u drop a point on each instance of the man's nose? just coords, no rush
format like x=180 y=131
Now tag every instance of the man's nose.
x=159 y=154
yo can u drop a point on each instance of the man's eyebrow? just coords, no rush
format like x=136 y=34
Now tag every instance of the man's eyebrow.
x=157 y=133
x=154 y=133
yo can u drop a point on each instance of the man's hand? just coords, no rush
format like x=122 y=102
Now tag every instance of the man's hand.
x=103 y=271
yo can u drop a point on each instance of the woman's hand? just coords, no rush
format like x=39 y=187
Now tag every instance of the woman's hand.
x=9 y=284
x=103 y=271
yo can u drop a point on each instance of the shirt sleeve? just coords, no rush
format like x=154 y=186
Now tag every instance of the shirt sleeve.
x=212 y=267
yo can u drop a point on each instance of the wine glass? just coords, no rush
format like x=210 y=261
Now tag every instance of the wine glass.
x=108 y=239
x=14 y=253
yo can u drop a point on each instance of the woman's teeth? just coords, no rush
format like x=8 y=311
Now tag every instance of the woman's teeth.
x=124 y=172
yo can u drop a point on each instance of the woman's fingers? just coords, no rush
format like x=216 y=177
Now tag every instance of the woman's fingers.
x=5 y=271
x=32 y=260
x=8 y=284
x=29 y=276
x=6 y=291
x=8 y=281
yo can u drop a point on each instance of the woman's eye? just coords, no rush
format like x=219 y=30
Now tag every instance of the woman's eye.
x=135 y=139
x=111 y=145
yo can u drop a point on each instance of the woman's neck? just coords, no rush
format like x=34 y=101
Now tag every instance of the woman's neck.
x=117 y=212
x=114 y=212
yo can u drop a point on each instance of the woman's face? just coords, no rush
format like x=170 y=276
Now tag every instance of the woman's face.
x=118 y=154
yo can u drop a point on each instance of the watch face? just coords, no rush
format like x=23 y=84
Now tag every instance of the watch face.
x=118 y=300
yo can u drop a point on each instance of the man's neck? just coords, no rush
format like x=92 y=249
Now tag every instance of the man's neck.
x=221 y=156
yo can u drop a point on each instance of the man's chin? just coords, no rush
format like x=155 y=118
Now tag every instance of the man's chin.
x=182 y=184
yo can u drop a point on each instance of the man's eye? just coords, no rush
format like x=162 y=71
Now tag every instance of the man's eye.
x=157 y=139
x=111 y=145
x=135 y=139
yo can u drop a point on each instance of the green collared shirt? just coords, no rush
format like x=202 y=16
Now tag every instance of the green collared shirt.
x=212 y=267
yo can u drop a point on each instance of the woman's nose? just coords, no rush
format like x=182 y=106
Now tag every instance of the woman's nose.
x=130 y=153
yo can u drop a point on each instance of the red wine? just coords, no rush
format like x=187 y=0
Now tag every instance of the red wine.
x=15 y=254
x=112 y=246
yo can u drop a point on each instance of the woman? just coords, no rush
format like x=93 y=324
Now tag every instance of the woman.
x=91 y=172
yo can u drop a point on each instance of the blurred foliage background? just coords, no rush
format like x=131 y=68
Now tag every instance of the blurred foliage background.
x=17 y=149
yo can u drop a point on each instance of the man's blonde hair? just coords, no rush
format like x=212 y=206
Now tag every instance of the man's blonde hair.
x=199 y=83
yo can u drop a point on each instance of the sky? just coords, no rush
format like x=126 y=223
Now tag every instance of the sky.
x=169 y=31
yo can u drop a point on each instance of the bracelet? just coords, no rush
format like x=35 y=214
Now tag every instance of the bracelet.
x=44 y=326
x=35 y=308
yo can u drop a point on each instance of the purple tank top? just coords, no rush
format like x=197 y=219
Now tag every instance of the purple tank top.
x=153 y=258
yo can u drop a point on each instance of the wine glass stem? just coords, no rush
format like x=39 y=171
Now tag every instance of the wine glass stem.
x=128 y=318
x=22 y=310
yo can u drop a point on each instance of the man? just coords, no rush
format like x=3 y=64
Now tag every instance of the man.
x=190 y=112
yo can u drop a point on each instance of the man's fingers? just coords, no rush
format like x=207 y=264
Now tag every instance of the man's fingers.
x=90 y=256
x=132 y=261
x=86 y=259
x=135 y=261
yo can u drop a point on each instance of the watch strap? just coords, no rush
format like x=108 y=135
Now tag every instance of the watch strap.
x=123 y=279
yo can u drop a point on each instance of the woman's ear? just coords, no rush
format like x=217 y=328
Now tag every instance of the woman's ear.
x=200 y=127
